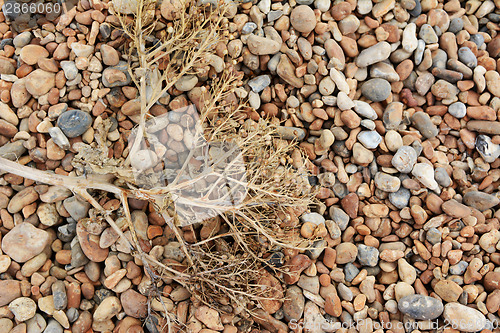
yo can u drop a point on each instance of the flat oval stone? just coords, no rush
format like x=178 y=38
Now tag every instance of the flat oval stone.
x=464 y=318
x=466 y=56
x=424 y=124
x=457 y=110
x=370 y=139
x=386 y=182
x=420 y=307
x=74 y=123
x=480 y=200
x=24 y=242
x=374 y=54
x=376 y=90
x=90 y=244
x=293 y=307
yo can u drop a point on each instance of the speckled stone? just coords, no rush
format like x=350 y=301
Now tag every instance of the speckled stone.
x=400 y=198
x=420 y=307
x=367 y=255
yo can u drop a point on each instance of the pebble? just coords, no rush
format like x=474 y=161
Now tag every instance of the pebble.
x=406 y=272
x=115 y=76
x=259 y=45
x=376 y=90
x=425 y=174
x=30 y=54
x=293 y=306
x=110 y=56
x=487 y=149
x=286 y=71
x=90 y=245
x=420 y=307
x=400 y=198
x=53 y=327
x=303 y=19
x=428 y=34
x=259 y=83
x=313 y=317
x=465 y=318
x=24 y=242
x=186 y=83
x=480 y=200
x=23 y=308
x=314 y=218
x=448 y=290
x=410 y=40
x=59 y=138
x=370 y=139
x=59 y=295
x=82 y=50
x=48 y=215
x=387 y=183
x=209 y=317
x=346 y=253
x=70 y=70
x=367 y=255
x=76 y=207
x=74 y=123
x=445 y=90
x=466 y=56
x=423 y=123
x=376 y=53
x=135 y=304
x=108 y=308
x=404 y=159
x=456 y=25
x=364 y=110
x=39 y=82
x=457 y=110
x=37 y=324
x=340 y=217
x=9 y=291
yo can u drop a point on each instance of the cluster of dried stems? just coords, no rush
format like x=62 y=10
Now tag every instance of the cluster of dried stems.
x=224 y=268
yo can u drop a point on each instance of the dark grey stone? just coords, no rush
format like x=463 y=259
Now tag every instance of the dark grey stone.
x=376 y=90
x=74 y=123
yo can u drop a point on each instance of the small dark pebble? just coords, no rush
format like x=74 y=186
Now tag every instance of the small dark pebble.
x=74 y=123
